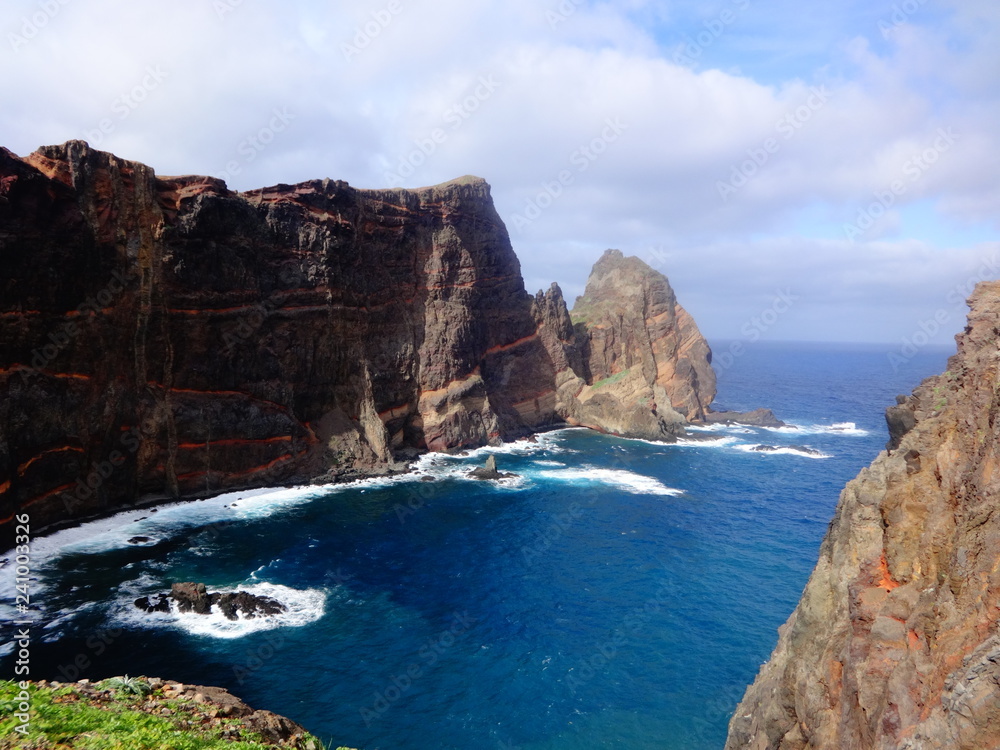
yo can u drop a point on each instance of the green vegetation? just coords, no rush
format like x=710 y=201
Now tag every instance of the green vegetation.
x=613 y=378
x=128 y=686
x=116 y=715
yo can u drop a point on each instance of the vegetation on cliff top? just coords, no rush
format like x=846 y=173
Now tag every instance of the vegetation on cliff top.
x=128 y=714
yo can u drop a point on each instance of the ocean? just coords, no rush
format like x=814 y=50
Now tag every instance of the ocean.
x=616 y=593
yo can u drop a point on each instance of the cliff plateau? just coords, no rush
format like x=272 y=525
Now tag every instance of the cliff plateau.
x=895 y=643
x=166 y=337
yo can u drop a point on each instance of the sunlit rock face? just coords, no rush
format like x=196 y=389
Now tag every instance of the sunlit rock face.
x=895 y=642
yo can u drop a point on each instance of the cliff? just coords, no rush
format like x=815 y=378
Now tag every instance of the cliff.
x=169 y=337
x=165 y=337
x=895 y=644
x=628 y=359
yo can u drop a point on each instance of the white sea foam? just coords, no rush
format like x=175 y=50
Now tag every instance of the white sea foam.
x=722 y=442
x=629 y=481
x=837 y=428
x=719 y=427
x=304 y=607
x=548 y=463
x=781 y=450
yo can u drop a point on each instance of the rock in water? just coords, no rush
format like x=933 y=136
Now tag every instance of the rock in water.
x=194 y=597
x=151 y=604
x=894 y=644
x=249 y=605
x=191 y=597
x=489 y=470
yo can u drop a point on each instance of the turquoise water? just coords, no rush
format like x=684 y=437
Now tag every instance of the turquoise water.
x=617 y=594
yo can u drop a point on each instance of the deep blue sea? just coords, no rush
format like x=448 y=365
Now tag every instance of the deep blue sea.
x=617 y=594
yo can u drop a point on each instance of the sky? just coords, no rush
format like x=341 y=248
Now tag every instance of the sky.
x=800 y=171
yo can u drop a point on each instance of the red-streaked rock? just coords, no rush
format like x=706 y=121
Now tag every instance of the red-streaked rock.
x=895 y=642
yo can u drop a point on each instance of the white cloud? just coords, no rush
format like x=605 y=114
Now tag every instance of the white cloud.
x=415 y=69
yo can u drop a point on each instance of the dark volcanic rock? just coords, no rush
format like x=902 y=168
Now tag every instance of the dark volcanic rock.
x=150 y=604
x=900 y=419
x=489 y=471
x=249 y=605
x=800 y=448
x=194 y=597
x=140 y=540
x=191 y=597
x=195 y=340
x=165 y=337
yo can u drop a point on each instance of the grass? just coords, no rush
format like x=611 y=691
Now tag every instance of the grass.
x=612 y=378
x=62 y=720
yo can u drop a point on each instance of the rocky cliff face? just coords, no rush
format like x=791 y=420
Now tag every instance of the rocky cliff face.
x=167 y=337
x=628 y=359
x=895 y=642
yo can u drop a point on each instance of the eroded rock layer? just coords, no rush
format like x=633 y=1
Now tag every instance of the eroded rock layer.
x=165 y=337
x=168 y=336
x=895 y=643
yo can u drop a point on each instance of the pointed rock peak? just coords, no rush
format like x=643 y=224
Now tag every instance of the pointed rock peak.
x=614 y=260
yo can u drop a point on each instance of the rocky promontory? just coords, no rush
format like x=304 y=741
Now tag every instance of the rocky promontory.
x=895 y=644
x=166 y=337
x=628 y=358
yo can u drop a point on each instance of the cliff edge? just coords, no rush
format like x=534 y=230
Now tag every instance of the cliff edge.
x=895 y=644
x=166 y=337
